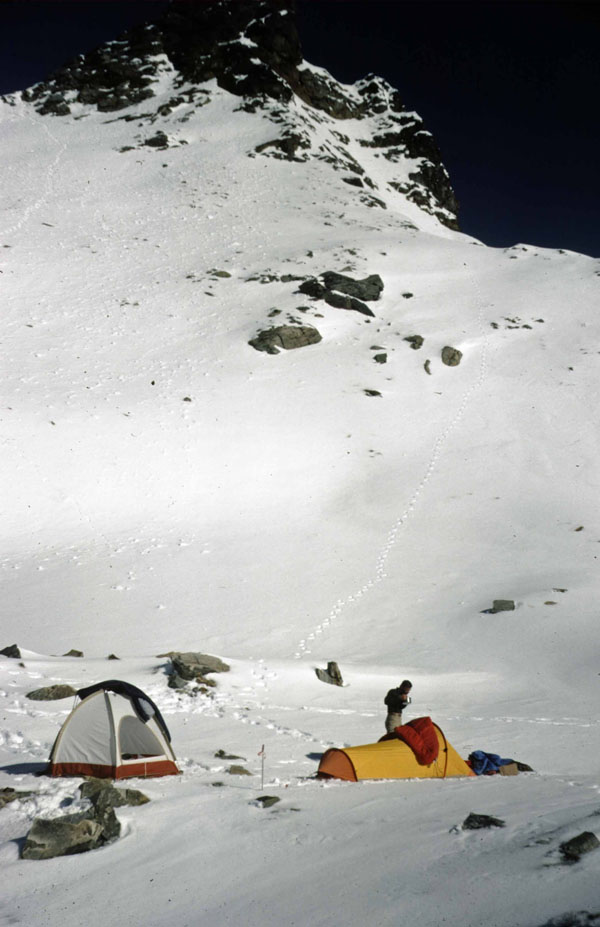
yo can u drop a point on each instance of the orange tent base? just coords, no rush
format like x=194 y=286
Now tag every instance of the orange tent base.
x=391 y=759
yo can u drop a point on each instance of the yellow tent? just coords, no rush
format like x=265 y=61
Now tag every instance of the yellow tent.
x=391 y=759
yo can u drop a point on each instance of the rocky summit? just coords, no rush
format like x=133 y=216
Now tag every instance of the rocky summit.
x=252 y=50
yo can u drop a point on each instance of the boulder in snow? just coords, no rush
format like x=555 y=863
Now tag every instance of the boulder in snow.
x=574 y=849
x=331 y=675
x=288 y=337
x=11 y=651
x=451 y=357
x=475 y=821
x=73 y=833
x=52 y=693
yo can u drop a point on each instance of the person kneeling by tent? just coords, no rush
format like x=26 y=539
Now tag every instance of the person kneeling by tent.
x=396 y=701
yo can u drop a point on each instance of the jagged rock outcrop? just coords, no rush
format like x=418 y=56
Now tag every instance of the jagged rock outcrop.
x=252 y=50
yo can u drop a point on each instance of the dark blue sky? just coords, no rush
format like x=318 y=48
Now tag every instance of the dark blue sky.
x=509 y=89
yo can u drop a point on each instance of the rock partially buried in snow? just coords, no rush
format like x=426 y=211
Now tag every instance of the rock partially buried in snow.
x=239 y=771
x=73 y=833
x=451 y=357
x=51 y=693
x=104 y=796
x=266 y=801
x=288 y=337
x=73 y=653
x=500 y=605
x=222 y=755
x=190 y=665
x=574 y=849
x=8 y=795
x=475 y=821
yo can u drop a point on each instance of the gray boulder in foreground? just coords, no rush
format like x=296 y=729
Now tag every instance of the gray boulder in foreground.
x=85 y=830
x=73 y=833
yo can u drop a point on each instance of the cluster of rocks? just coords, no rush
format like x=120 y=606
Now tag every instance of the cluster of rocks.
x=336 y=290
x=82 y=830
x=343 y=292
x=190 y=667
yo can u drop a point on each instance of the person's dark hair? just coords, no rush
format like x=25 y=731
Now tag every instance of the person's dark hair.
x=405 y=686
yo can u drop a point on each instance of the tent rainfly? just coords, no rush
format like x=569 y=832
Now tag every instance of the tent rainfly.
x=392 y=759
x=115 y=732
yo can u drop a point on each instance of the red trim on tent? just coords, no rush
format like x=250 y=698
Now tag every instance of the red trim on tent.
x=130 y=771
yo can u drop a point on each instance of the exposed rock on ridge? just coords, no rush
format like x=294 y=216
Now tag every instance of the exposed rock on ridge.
x=251 y=48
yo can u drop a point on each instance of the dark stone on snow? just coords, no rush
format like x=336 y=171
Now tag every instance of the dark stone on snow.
x=222 y=755
x=11 y=651
x=160 y=140
x=500 y=605
x=73 y=653
x=353 y=181
x=267 y=801
x=477 y=821
x=574 y=849
x=451 y=357
x=342 y=301
x=331 y=675
x=288 y=337
x=380 y=358
x=51 y=693
x=313 y=288
x=370 y=288
x=415 y=341
x=73 y=833
x=372 y=392
x=238 y=771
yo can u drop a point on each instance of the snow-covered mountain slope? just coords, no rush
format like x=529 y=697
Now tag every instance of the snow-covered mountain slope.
x=168 y=486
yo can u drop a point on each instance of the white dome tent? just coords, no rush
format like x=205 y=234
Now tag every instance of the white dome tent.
x=115 y=732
